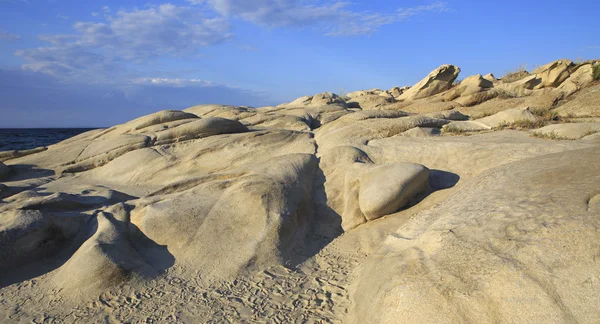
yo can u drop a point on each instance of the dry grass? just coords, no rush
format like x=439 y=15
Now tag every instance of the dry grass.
x=524 y=124
x=548 y=115
x=516 y=75
x=450 y=129
x=554 y=136
x=550 y=136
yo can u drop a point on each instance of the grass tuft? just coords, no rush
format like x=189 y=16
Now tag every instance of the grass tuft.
x=516 y=75
x=523 y=124
x=550 y=136
x=596 y=72
x=451 y=129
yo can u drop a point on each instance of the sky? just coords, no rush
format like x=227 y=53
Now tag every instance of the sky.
x=96 y=63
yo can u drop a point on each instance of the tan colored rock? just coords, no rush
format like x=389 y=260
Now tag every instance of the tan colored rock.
x=578 y=79
x=437 y=81
x=398 y=91
x=422 y=132
x=327 y=98
x=553 y=74
x=477 y=257
x=583 y=104
x=465 y=126
x=370 y=101
x=569 y=131
x=200 y=128
x=508 y=116
x=490 y=77
x=384 y=189
x=448 y=114
x=469 y=86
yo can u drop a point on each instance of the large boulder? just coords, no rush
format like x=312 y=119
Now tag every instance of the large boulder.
x=437 y=81
x=384 y=189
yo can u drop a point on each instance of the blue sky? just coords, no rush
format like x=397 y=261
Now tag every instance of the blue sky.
x=73 y=63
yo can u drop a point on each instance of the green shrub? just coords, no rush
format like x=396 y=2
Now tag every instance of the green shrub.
x=596 y=72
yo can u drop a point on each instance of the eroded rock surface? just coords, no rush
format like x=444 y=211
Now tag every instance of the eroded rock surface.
x=412 y=204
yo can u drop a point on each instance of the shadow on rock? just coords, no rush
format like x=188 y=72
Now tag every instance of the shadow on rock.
x=325 y=227
x=20 y=172
x=103 y=249
x=439 y=180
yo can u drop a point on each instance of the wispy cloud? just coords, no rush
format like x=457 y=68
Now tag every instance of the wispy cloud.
x=96 y=50
x=593 y=47
x=333 y=18
x=4 y=35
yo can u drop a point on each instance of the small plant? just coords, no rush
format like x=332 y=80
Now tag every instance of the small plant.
x=596 y=72
x=451 y=129
x=546 y=114
x=551 y=135
x=516 y=75
x=523 y=124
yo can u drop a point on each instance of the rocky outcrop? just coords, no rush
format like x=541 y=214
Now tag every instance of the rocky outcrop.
x=428 y=204
x=553 y=74
x=437 y=81
x=478 y=257
x=568 y=131
x=469 y=86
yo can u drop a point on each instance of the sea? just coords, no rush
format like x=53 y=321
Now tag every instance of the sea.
x=29 y=138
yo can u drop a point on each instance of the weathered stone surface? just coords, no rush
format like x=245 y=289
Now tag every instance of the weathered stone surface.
x=437 y=81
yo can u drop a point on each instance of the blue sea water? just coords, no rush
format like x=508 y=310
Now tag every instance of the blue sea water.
x=29 y=138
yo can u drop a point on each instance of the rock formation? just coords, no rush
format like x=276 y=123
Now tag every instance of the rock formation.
x=474 y=202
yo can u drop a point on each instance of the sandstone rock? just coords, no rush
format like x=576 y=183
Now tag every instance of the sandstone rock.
x=4 y=171
x=569 y=131
x=448 y=114
x=370 y=101
x=384 y=189
x=200 y=128
x=469 y=86
x=553 y=74
x=465 y=126
x=422 y=132
x=490 y=77
x=327 y=98
x=437 y=81
x=508 y=116
x=7 y=155
x=584 y=104
x=488 y=253
x=578 y=79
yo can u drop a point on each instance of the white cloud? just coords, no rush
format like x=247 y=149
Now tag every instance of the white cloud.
x=177 y=82
x=4 y=35
x=438 y=7
x=334 y=18
x=96 y=50
x=69 y=61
